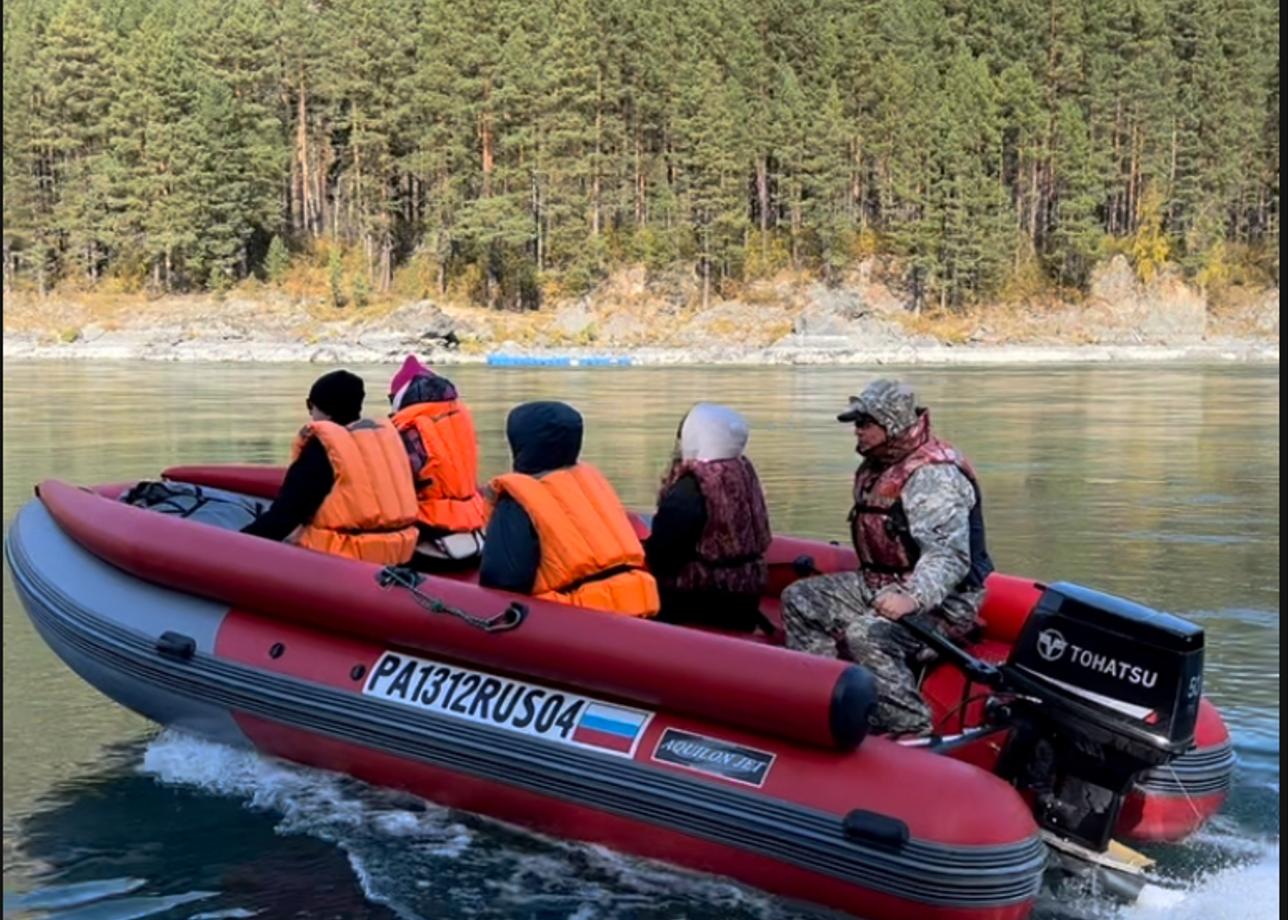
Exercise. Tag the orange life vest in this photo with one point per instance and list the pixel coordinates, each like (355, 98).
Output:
(370, 512)
(447, 483)
(590, 556)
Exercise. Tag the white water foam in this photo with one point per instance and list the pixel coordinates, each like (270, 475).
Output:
(132, 908)
(1243, 892)
(54, 897)
(325, 805)
(397, 845)
(1246, 888)
(1223, 836)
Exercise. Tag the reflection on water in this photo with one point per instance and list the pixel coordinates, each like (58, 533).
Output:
(1159, 483)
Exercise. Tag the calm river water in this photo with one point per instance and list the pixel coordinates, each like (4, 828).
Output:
(1158, 483)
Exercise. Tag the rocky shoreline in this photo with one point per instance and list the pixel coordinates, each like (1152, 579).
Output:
(635, 320)
(129, 348)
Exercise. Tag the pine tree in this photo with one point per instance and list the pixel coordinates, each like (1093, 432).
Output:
(454, 107)
(966, 195)
(792, 149)
(1207, 143)
(1024, 132)
(572, 212)
(522, 145)
(73, 94)
(361, 290)
(827, 184)
(373, 96)
(335, 275)
(1148, 102)
(277, 262)
(227, 201)
(299, 60)
(159, 150)
(246, 159)
(23, 221)
(711, 184)
(1076, 231)
(905, 122)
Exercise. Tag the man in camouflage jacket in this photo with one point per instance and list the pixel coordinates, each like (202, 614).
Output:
(918, 528)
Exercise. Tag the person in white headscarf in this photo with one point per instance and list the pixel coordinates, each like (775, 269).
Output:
(711, 530)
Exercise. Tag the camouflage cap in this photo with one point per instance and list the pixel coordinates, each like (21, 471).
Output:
(893, 405)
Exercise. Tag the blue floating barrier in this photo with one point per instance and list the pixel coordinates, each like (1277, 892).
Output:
(498, 359)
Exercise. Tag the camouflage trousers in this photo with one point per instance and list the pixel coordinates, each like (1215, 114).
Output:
(832, 615)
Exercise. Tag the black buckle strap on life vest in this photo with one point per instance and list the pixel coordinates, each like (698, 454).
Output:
(733, 562)
(364, 531)
(597, 576)
(896, 528)
(405, 577)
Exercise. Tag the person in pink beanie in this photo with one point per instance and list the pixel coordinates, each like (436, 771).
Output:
(438, 433)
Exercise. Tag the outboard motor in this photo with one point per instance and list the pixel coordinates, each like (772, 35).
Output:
(1105, 688)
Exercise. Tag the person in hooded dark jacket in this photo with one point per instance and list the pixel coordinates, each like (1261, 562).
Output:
(558, 530)
(711, 530)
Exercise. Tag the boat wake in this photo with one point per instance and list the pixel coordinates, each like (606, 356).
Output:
(421, 860)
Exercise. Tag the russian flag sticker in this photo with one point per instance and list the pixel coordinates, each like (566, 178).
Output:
(610, 728)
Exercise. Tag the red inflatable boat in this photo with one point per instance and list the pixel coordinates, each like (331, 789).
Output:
(715, 752)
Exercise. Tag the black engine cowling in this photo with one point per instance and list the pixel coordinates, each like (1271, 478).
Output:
(1105, 688)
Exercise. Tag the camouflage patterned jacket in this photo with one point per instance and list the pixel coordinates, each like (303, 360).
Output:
(918, 522)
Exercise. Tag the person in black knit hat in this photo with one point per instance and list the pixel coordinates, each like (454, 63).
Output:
(313, 512)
